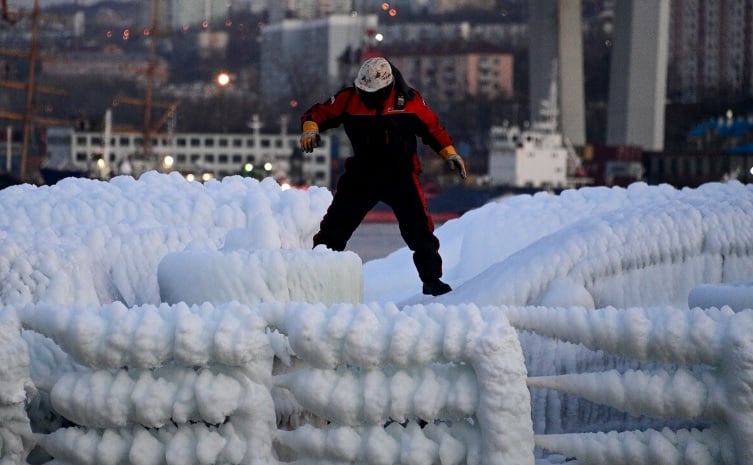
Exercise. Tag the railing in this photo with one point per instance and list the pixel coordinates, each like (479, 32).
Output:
(180, 384)
(348, 383)
(711, 352)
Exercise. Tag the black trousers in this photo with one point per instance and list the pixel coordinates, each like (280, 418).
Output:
(358, 192)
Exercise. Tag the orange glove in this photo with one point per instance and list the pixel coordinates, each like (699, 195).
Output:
(454, 160)
(310, 138)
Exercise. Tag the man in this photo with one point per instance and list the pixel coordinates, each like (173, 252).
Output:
(382, 117)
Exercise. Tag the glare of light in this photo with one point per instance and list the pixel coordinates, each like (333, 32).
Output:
(109, 34)
(248, 167)
(190, 177)
(729, 114)
(147, 32)
(379, 37)
(223, 79)
(284, 186)
(751, 170)
(267, 166)
(206, 176)
(100, 163)
(385, 6)
(293, 103)
(204, 24)
(393, 12)
(228, 23)
(126, 34)
(168, 161)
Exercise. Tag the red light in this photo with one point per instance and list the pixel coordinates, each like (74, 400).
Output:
(393, 12)
(385, 6)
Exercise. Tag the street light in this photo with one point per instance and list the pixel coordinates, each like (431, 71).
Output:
(168, 162)
(223, 82)
(223, 79)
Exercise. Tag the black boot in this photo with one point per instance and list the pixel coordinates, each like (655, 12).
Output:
(436, 287)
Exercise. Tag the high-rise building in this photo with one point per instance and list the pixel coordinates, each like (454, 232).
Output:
(711, 49)
(175, 14)
(451, 75)
(446, 6)
(306, 9)
(303, 61)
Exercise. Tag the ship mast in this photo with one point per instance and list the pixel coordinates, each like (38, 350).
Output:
(29, 90)
(147, 144)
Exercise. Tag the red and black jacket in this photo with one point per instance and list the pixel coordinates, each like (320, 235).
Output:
(383, 138)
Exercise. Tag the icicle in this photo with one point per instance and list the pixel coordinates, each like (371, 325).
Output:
(737, 372)
(657, 334)
(105, 399)
(193, 444)
(113, 336)
(354, 397)
(666, 447)
(662, 394)
(377, 445)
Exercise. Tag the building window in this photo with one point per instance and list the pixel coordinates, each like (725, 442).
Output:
(222, 158)
(209, 142)
(223, 142)
(80, 156)
(195, 142)
(237, 143)
(180, 142)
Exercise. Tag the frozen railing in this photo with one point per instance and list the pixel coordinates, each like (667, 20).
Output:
(640, 256)
(196, 384)
(711, 351)
(307, 383)
(15, 386)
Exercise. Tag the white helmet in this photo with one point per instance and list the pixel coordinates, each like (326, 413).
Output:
(375, 74)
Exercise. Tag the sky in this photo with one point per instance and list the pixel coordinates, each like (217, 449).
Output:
(240, 338)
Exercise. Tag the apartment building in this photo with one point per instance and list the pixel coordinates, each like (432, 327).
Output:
(452, 75)
(711, 49)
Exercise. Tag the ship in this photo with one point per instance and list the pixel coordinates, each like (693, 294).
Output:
(538, 155)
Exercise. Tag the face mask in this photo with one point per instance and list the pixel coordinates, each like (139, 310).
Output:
(374, 99)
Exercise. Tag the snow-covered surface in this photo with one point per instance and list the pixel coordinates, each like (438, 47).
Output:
(547, 288)
(253, 276)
